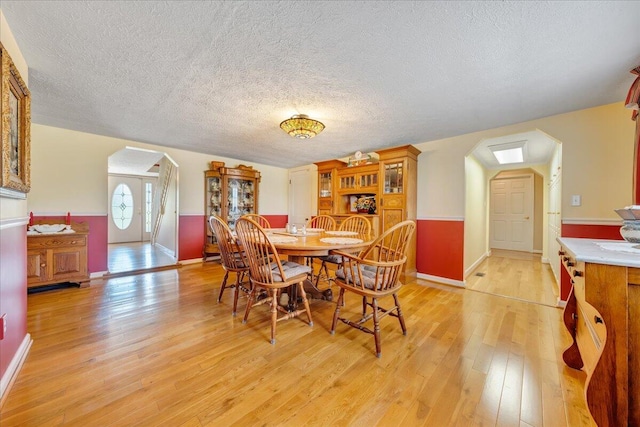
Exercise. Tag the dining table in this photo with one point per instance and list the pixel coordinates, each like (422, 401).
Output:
(313, 242)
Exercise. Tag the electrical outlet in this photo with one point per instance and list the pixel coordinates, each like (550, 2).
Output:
(3, 326)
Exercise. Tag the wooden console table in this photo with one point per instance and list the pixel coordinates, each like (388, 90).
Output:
(58, 257)
(603, 317)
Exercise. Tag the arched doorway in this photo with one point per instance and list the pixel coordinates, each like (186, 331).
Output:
(143, 211)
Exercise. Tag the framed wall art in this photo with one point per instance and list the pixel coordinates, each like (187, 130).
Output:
(15, 130)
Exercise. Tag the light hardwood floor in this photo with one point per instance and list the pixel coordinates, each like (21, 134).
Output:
(518, 275)
(157, 350)
(135, 256)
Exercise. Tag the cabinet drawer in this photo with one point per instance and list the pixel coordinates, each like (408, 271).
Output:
(56, 241)
(324, 203)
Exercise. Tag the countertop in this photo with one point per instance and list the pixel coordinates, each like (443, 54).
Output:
(600, 251)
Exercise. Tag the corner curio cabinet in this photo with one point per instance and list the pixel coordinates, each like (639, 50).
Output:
(228, 193)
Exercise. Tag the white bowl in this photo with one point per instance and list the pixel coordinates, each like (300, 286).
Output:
(48, 228)
(630, 231)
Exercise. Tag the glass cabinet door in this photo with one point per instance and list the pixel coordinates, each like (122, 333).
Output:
(240, 199)
(215, 196)
(324, 184)
(393, 177)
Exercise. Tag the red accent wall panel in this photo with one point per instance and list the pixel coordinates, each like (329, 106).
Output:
(13, 291)
(590, 231)
(191, 236)
(440, 248)
(277, 221)
(98, 238)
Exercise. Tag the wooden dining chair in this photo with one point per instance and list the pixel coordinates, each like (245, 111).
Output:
(232, 259)
(262, 221)
(355, 223)
(374, 274)
(268, 272)
(324, 222)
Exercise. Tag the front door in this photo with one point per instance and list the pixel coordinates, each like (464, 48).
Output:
(125, 209)
(511, 214)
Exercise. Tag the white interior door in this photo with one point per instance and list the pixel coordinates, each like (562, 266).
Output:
(511, 214)
(300, 196)
(125, 209)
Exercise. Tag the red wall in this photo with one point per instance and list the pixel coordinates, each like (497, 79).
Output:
(440, 248)
(13, 290)
(590, 231)
(191, 236)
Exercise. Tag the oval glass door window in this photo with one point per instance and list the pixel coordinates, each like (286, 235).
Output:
(122, 206)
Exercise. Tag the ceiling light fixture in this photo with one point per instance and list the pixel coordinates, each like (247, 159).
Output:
(512, 152)
(301, 126)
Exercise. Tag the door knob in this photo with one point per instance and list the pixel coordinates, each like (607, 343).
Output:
(526, 217)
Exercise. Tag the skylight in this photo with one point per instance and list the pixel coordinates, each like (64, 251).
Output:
(509, 153)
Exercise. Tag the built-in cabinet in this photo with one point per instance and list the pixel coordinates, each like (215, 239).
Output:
(390, 184)
(601, 316)
(58, 257)
(228, 193)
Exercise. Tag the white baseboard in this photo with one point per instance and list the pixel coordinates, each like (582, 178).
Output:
(561, 303)
(191, 261)
(537, 251)
(97, 274)
(444, 280)
(475, 265)
(545, 260)
(15, 365)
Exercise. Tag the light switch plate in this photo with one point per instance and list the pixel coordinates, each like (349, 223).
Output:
(576, 200)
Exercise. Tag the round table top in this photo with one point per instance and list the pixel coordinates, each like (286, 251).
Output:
(310, 244)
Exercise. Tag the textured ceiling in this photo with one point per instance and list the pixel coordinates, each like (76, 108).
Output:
(219, 77)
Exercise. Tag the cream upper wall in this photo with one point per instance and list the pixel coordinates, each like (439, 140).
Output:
(69, 173)
(597, 163)
(13, 208)
(475, 225)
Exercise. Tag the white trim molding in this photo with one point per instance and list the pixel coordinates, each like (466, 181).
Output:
(444, 280)
(441, 218)
(14, 222)
(12, 194)
(591, 221)
(14, 366)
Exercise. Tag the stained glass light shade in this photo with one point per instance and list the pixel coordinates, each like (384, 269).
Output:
(301, 126)
(122, 206)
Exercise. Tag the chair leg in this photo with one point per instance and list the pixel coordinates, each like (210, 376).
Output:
(336, 313)
(274, 314)
(235, 294)
(250, 300)
(376, 325)
(400, 315)
(224, 284)
(364, 307)
(323, 266)
(305, 301)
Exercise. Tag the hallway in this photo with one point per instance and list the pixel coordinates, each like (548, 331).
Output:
(517, 275)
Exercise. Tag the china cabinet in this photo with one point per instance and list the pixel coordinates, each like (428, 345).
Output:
(229, 193)
(390, 183)
(327, 182)
(58, 257)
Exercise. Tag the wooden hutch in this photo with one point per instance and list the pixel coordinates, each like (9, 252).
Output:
(228, 193)
(391, 183)
(58, 257)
